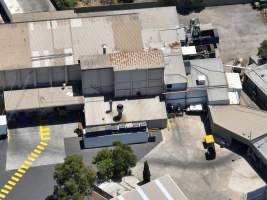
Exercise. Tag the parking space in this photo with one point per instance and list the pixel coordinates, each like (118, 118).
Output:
(23, 141)
(241, 29)
(182, 155)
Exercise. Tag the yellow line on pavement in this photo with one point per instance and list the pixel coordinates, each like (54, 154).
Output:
(34, 155)
(37, 151)
(4, 191)
(2, 196)
(40, 147)
(24, 167)
(18, 174)
(31, 158)
(44, 135)
(44, 143)
(8, 187)
(15, 178)
(45, 138)
(21, 171)
(27, 162)
(11, 183)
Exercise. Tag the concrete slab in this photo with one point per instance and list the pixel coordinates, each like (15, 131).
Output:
(182, 155)
(24, 140)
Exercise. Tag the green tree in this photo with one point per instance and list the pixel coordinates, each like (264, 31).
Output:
(146, 173)
(73, 179)
(114, 163)
(66, 3)
(262, 51)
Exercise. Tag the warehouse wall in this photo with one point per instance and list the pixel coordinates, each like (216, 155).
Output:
(255, 93)
(138, 82)
(98, 81)
(39, 77)
(186, 98)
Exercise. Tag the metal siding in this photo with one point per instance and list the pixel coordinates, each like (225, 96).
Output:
(42, 76)
(142, 91)
(140, 84)
(13, 79)
(139, 75)
(121, 93)
(58, 74)
(155, 73)
(27, 77)
(2, 80)
(155, 83)
(154, 90)
(125, 138)
(122, 76)
(74, 73)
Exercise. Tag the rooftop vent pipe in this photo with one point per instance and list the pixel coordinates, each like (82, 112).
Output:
(119, 110)
(104, 49)
(110, 107)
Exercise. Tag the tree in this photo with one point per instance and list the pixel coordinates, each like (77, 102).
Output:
(262, 51)
(146, 173)
(66, 3)
(114, 163)
(74, 180)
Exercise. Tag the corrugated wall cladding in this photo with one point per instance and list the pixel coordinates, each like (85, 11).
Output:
(39, 77)
(139, 82)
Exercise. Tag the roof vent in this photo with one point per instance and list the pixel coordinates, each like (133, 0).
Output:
(104, 49)
(201, 80)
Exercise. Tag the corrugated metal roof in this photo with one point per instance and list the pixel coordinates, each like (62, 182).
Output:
(163, 188)
(30, 99)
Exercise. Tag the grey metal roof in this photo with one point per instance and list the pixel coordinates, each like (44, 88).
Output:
(258, 75)
(246, 123)
(211, 68)
(29, 99)
(163, 188)
(63, 41)
(218, 95)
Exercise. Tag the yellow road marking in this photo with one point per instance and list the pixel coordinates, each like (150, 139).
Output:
(11, 183)
(4, 191)
(21, 171)
(18, 174)
(45, 132)
(8, 187)
(31, 158)
(45, 138)
(27, 162)
(37, 151)
(15, 179)
(2, 196)
(42, 128)
(24, 167)
(40, 147)
(44, 143)
(34, 155)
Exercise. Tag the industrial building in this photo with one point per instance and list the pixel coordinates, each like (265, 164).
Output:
(241, 127)
(163, 188)
(255, 85)
(82, 62)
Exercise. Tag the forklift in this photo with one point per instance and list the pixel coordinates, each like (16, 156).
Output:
(209, 144)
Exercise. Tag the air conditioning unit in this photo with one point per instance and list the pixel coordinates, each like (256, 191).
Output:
(201, 80)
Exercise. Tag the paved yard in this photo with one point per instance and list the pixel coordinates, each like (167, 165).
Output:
(241, 29)
(181, 154)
